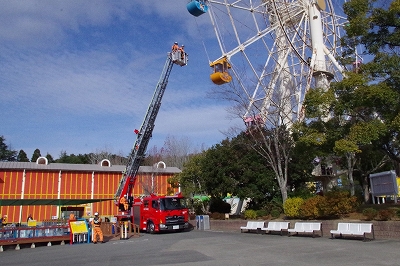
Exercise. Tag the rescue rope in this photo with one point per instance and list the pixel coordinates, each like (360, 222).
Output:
(202, 41)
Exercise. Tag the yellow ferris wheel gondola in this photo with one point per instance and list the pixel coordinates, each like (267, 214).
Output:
(220, 73)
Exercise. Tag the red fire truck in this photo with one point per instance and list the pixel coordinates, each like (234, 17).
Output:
(161, 213)
(152, 213)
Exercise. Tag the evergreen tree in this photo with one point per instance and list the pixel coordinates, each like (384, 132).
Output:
(50, 158)
(73, 159)
(229, 167)
(22, 156)
(6, 153)
(36, 154)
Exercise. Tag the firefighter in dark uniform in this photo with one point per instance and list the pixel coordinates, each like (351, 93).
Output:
(96, 229)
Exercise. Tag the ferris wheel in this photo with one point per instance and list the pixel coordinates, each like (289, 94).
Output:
(275, 51)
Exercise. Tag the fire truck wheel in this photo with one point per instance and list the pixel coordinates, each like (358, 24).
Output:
(151, 228)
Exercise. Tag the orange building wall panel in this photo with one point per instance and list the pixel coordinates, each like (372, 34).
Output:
(75, 185)
(11, 184)
(42, 185)
(10, 188)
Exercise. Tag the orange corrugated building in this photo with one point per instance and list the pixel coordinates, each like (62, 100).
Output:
(53, 190)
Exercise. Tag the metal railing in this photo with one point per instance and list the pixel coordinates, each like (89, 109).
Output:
(11, 233)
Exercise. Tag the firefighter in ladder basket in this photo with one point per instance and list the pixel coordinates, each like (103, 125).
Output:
(124, 203)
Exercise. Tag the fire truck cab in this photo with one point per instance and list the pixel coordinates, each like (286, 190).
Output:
(161, 213)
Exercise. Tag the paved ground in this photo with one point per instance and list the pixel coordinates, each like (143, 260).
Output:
(212, 248)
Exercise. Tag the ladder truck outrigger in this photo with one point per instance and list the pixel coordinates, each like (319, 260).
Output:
(151, 213)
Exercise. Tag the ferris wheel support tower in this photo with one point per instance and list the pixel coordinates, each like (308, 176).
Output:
(321, 75)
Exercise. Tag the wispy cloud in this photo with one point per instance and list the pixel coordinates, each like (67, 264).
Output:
(79, 75)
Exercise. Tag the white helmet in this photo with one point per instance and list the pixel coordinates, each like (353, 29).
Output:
(96, 214)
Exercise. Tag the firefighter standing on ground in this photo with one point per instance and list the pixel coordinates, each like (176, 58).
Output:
(30, 218)
(96, 228)
(72, 217)
(4, 220)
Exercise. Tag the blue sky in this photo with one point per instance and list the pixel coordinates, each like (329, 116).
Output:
(77, 75)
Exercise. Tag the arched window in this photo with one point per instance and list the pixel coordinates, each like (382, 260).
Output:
(105, 163)
(42, 160)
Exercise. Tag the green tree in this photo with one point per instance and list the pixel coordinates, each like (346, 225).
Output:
(50, 158)
(373, 92)
(6, 153)
(219, 170)
(74, 159)
(22, 156)
(364, 108)
(190, 178)
(255, 179)
(300, 167)
(36, 154)
(229, 167)
(192, 183)
(370, 160)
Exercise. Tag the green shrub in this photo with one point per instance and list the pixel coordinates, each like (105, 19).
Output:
(275, 213)
(370, 213)
(310, 207)
(398, 212)
(250, 214)
(291, 207)
(385, 215)
(261, 213)
(273, 204)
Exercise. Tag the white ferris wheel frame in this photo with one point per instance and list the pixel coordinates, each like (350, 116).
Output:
(312, 18)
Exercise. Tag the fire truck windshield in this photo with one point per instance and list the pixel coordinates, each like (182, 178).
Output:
(172, 204)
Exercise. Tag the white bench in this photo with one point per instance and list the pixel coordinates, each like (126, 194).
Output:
(253, 226)
(276, 226)
(354, 229)
(304, 227)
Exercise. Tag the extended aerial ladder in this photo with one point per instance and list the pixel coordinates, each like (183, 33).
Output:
(137, 155)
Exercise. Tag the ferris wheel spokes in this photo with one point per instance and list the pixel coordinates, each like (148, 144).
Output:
(241, 46)
(287, 47)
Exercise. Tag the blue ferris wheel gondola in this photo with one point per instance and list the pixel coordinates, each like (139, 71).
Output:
(197, 7)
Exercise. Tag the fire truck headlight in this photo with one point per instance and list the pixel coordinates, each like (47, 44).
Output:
(163, 226)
